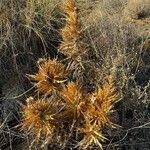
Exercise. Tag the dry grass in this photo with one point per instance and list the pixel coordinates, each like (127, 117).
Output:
(138, 9)
(25, 27)
(95, 75)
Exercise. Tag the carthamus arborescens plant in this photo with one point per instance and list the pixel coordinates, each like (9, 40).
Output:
(72, 109)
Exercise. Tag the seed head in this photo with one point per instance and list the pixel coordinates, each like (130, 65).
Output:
(39, 117)
(73, 98)
(102, 101)
(70, 33)
(50, 77)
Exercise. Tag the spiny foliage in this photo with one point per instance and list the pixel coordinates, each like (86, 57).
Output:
(50, 77)
(73, 98)
(92, 134)
(39, 117)
(70, 33)
(102, 101)
(89, 111)
(97, 114)
(71, 30)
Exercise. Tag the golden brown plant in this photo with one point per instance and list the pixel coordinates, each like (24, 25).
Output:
(71, 30)
(39, 117)
(92, 135)
(73, 99)
(50, 77)
(70, 33)
(102, 102)
(91, 112)
(97, 114)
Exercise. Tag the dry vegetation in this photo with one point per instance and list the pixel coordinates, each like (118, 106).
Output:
(75, 74)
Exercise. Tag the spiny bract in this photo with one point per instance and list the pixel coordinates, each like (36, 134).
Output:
(70, 33)
(92, 135)
(50, 77)
(73, 98)
(39, 117)
(102, 102)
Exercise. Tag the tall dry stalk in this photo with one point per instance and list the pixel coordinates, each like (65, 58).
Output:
(71, 31)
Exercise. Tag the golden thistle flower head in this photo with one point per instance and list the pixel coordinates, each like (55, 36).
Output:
(73, 98)
(102, 102)
(39, 117)
(50, 77)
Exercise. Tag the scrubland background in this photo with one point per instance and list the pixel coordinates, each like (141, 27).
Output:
(117, 32)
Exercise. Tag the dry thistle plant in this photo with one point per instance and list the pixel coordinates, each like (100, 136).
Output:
(39, 117)
(50, 77)
(71, 32)
(82, 111)
(97, 114)
(91, 113)
(102, 102)
(74, 101)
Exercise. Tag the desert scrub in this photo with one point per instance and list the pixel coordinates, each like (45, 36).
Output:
(138, 9)
(82, 112)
